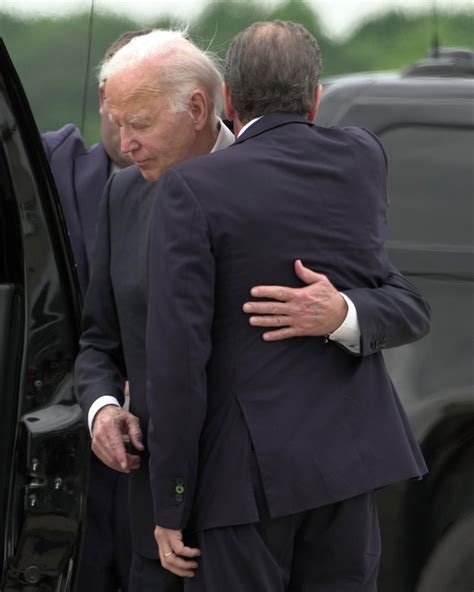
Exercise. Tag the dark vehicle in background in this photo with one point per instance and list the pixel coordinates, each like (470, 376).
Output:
(43, 443)
(424, 116)
(425, 120)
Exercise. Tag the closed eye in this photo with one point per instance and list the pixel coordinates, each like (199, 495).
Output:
(139, 125)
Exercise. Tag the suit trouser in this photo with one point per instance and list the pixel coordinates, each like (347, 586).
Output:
(106, 549)
(147, 575)
(331, 549)
(335, 548)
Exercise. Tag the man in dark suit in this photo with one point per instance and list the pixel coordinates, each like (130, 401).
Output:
(269, 452)
(114, 316)
(163, 119)
(80, 174)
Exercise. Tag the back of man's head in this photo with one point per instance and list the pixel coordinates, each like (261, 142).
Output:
(272, 66)
(180, 67)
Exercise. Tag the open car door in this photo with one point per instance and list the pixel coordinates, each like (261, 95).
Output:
(43, 443)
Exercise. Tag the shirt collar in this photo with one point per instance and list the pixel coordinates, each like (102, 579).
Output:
(224, 138)
(247, 125)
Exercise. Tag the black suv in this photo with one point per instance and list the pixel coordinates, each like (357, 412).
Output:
(43, 443)
(425, 119)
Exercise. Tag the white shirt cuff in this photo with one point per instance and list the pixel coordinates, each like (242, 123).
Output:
(348, 334)
(97, 406)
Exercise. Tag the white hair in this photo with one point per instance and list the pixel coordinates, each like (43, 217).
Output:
(185, 69)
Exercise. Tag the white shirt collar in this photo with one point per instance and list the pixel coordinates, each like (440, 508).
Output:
(224, 138)
(248, 124)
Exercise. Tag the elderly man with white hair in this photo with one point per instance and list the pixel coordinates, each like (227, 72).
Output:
(164, 95)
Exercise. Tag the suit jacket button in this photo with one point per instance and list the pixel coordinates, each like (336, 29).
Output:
(178, 497)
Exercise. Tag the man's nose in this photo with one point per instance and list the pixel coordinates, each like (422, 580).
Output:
(127, 142)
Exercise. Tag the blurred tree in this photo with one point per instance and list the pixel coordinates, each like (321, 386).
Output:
(396, 39)
(50, 54)
(299, 12)
(220, 21)
(50, 57)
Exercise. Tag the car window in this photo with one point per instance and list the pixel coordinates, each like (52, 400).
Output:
(431, 183)
(11, 268)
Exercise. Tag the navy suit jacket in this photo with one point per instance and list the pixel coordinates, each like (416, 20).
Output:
(114, 322)
(80, 174)
(112, 345)
(324, 425)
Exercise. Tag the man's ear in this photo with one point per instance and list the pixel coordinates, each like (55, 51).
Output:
(228, 107)
(101, 97)
(315, 104)
(199, 109)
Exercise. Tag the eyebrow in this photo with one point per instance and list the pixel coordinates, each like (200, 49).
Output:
(133, 119)
(138, 119)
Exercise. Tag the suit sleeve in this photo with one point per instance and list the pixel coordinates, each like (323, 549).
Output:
(99, 368)
(392, 315)
(181, 273)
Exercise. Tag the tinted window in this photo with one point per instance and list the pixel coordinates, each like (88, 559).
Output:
(431, 184)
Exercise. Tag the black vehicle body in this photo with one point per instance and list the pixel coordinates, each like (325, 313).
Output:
(425, 119)
(43, 443)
